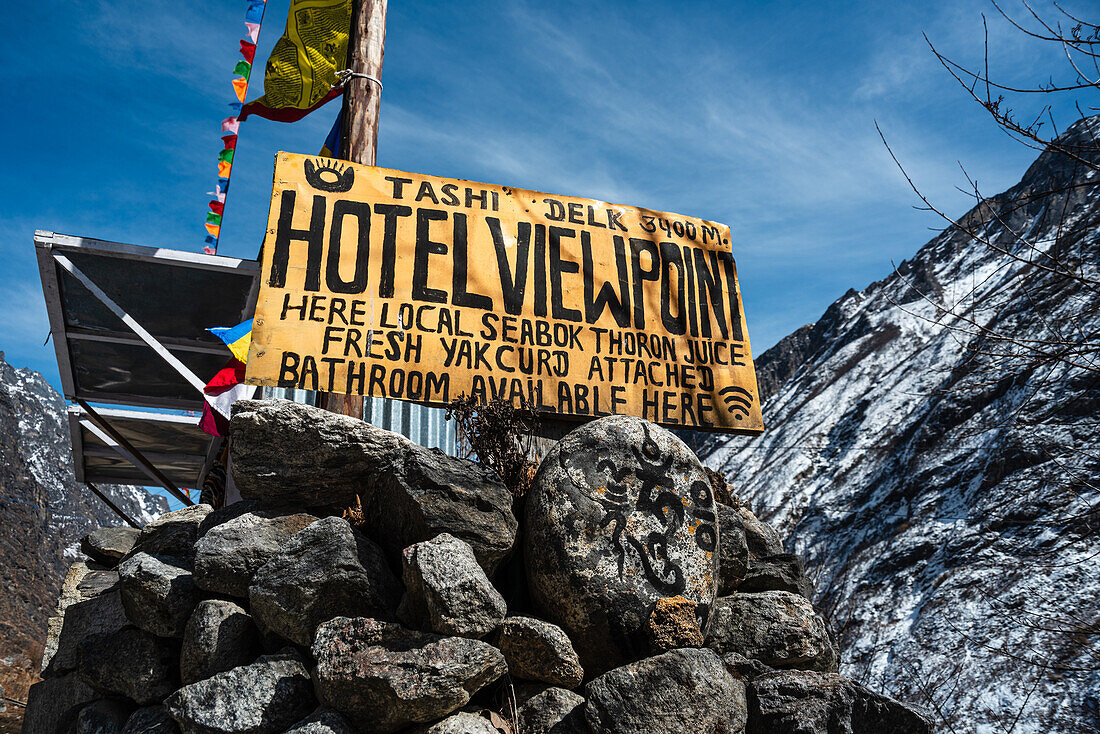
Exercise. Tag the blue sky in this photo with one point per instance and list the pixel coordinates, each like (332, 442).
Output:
(757, 114)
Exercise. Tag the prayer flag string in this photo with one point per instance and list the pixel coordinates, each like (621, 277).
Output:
(253, 18)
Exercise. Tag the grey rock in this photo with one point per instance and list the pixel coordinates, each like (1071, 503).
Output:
(461, 723)
(131, 663)
(105, 716)
(426, 492)
(3, 701)
(109, 545)
(744, 668)
(325, 571)
(778, 628)
(382, 676)
(83, 582)
(100, 614)
(733, 562)
(235, 541)
(760, 537)
(553, 711)
(322, 721)
(680, 691)
(158, 593)
(286, 453)
(620, 514)
(173, 533)
(802, 702)
(520, 692)
(539, 651)
(54, 703)
(447, 589)
(266, 697)
(779, 572)
(151, 720)
(752, 557)
(220, 636)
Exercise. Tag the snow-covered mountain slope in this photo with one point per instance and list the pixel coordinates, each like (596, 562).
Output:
(43, 514)
(942, 482)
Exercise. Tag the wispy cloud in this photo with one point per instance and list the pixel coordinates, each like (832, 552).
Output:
(760, 115)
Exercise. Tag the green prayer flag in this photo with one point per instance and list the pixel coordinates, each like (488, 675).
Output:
(243, 68)
(226, 156)
(212, 218)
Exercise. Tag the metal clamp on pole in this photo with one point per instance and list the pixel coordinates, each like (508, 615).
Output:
(346, 75)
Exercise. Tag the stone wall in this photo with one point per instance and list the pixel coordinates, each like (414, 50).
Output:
(619, 595)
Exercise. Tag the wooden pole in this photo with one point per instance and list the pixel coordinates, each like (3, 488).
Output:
(359, 141)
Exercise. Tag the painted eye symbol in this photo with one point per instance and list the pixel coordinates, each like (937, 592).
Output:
(329, 175)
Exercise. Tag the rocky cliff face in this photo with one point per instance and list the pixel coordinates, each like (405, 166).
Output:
(43, 513)
(942, 483)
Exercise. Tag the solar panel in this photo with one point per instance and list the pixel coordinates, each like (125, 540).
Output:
(173, 295)
(129, 328)
(173, 443)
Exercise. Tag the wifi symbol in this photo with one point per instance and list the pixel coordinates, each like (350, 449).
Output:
(738, 400)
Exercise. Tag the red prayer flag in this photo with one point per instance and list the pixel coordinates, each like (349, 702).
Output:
(218, 207)
(285, 114)
(226, 387)
(228, 376)
(229, 142)
(248, 51)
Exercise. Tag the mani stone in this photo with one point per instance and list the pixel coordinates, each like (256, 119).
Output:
(620, 514)
(109, 545)
(286, 453)
(327, 570)
(680, 691)
(447, 591)
(383, 677)
(235, 541)
(539, 651)
(802, 702)
(265, 697)
(778, 628)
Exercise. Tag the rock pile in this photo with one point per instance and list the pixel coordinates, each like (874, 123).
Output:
(617, 596)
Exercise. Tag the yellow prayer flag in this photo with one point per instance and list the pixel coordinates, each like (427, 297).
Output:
(303, 64)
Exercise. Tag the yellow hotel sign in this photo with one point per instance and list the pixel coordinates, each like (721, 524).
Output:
(391, 284)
